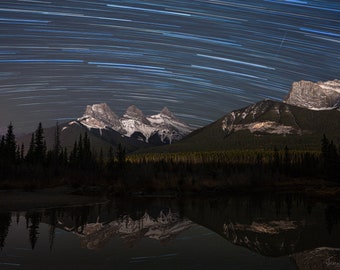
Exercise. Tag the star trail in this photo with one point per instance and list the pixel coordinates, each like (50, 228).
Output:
(199, 58)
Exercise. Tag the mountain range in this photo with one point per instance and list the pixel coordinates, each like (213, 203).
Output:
(155, 129)
(298, 121)
(133, 130)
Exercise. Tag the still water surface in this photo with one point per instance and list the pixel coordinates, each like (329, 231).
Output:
(240, 232)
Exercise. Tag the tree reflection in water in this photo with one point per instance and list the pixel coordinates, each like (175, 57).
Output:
(5, 222)
(272, 226)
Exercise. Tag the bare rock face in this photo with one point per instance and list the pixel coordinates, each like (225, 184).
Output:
(315, 96)
(99, 116)
(271, 117)
(264, 117)
(133, 112)
(101, 111)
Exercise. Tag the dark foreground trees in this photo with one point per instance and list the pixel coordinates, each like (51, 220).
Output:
(82, 165)
(39, 166)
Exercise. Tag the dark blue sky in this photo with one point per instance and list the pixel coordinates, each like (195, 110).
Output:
(200, 58)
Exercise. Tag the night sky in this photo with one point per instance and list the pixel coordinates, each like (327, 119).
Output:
(200, 58)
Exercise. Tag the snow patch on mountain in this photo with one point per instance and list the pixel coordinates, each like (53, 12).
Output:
(269, 127)
(70, 124)
(262, 117)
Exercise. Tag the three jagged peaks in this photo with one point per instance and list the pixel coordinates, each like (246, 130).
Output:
(135, 124)
(102, 110)
(265, 117)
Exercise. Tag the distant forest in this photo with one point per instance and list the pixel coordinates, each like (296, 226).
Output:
(38, 167)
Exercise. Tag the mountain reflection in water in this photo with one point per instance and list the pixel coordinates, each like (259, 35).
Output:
(278, 232)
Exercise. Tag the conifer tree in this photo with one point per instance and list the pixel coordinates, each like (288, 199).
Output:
(2, 145)
(329, 157)
(73, 160)
(22, 152)
(101, 160)
(8, 159)
(87, 155)
(110, 161)
(65, 156)
(32, 223)
(5, 222)
(57, 146)
(53, 156)
(110, 155)
(10, 146)
(121, 156)
(287, 159)
(39, 145)
(324, 147)
(2, 155)
(276, 159)
(31, 150)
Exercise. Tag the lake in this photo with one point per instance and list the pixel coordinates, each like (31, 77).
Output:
(225, 232)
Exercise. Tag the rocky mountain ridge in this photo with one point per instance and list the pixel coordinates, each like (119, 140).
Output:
(271, 117)
(268, 124)
(315, 96)
(298, 121)
(134, 123)
(263, 117)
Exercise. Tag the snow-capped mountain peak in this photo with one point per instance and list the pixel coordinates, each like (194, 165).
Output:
(99, 116)
(101, 111)
(133, 112)
(135, 124)
(166, 112)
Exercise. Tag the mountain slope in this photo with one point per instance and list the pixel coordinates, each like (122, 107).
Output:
(263, 125)
(70, 132)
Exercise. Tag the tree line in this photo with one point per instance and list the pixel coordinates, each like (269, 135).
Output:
(42, 167)
(83, 165)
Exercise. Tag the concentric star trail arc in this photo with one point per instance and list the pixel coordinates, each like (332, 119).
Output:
(200, 58)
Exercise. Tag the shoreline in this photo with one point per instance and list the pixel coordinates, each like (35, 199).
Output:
(65, 196)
